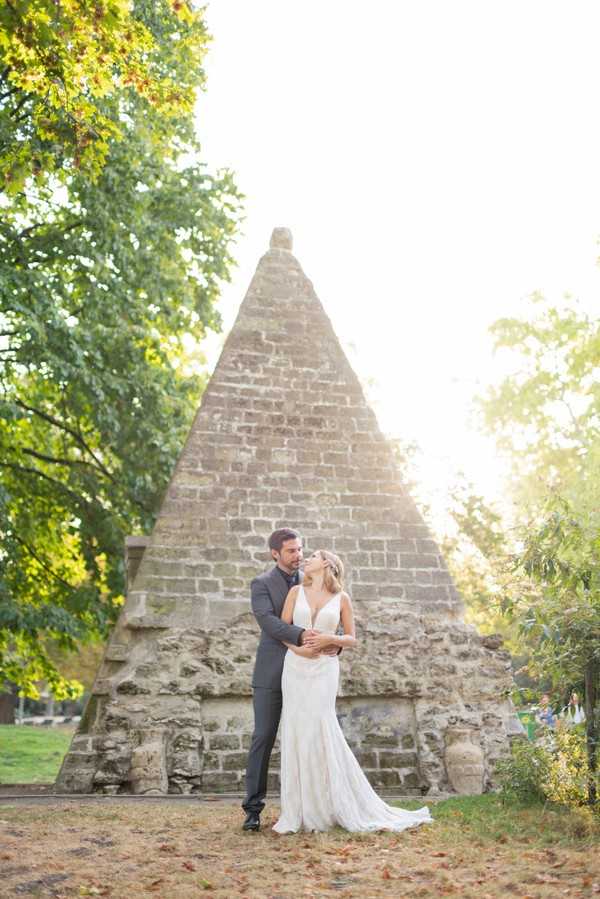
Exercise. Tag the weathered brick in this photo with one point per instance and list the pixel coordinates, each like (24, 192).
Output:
(211, 761)
(224, 741)
(376, 740)
(397, 759)
(367, 759)
(234, 761)
(417, 560)
(284, 437)
(220, 781)
(386, 778)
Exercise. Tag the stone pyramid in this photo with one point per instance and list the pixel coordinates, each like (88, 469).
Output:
(284, 437)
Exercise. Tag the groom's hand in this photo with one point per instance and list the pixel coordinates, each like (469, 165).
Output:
(306, 635)
(330, 650)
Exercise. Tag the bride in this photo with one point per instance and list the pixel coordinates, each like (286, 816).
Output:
(322, 784)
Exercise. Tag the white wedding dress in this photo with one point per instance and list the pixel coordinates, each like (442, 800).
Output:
(322, 784)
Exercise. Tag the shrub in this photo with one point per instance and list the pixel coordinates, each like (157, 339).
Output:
(554, 768)
(522, 775)
(567, 778)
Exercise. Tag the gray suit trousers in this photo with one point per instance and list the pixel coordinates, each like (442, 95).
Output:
(268, 593)
(267, 712)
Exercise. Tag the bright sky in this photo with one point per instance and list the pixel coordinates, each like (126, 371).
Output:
(437, 162)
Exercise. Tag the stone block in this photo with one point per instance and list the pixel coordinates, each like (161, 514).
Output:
(224, 741)
(113, 768)
(147, 622)
(222, 611)
(211, 724)
(418, 560)
(410, 781)
(77, 772)
(132, 687)
(148, 772)
(117, 652)
(395, 759)
(367, 759)
(162, 605)
(220, 782)
(206, 585)
(404, 545)
(386, 778)
(234, 761)
(215, 553)
(240, 525)
(211, 761)
(225, 569)
(380, 741)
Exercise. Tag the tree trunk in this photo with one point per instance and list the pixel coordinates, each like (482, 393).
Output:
(592, 713)
(7, 708)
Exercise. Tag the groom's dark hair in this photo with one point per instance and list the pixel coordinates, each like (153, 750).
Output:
(278, 538)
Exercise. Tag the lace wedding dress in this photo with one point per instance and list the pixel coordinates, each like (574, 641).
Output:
(322, 784)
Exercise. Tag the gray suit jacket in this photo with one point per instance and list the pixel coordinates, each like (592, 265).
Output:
(268, 593)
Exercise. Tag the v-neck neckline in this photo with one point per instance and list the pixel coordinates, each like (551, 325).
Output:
(313, 620)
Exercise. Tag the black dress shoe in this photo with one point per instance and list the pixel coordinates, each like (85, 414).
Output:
(252, 821)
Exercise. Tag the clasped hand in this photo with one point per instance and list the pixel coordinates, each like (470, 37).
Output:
(319, 643)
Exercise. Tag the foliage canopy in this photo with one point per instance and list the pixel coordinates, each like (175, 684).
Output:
(109, 272)
(70, 70)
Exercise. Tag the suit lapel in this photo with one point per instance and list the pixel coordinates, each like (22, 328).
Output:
(278, 589)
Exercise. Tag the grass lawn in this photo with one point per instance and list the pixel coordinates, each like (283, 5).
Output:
(476, 849)
(32, 754)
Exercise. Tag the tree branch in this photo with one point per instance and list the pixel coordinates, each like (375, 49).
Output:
(63, 427)
(19, 106)
(40, 474)
(42, 563)
(83, 462)
(65, 230)
(8, 93)
(59, 461)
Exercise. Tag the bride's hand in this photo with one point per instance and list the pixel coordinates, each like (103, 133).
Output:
(318, 641)
(306, 635)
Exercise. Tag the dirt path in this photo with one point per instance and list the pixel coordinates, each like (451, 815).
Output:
(176, 850)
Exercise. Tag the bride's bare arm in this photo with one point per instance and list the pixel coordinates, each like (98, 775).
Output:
(287, 614)
(348, 640)
(308, 652)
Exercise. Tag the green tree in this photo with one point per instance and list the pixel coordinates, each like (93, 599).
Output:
(107, 277)
(478, 554)
(545, 414)
(561, 614)
(545, 417)
(67, 69)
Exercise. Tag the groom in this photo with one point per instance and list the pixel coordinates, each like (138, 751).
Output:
(268, 593)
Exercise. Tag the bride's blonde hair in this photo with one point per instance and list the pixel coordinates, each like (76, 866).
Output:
(333, 574)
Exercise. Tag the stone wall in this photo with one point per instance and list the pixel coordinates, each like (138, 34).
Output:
(184, 725)
(284, 437)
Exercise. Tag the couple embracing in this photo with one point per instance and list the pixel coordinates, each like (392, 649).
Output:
(295, 680)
